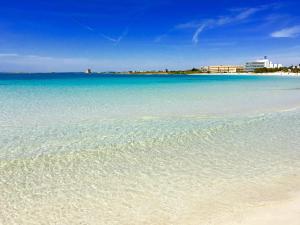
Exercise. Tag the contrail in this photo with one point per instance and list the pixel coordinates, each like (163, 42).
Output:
(115, 40)
(108, 38)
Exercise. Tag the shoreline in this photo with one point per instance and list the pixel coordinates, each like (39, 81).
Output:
(283, 74)
(281, 212)
(86, 158)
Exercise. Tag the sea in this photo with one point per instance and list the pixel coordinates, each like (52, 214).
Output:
(141, 150)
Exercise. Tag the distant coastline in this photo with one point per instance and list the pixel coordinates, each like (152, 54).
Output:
(156, 73)
(252, 74)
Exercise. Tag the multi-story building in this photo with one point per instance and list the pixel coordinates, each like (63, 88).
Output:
(262, 63)
(225, 69)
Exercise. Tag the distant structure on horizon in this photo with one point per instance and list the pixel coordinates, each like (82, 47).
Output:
(261, 63)
(88, 71)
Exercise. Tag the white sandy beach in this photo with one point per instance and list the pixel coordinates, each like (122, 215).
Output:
(284, 74)
(285, 212)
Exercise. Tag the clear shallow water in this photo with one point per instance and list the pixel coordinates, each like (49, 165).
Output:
(145, 150)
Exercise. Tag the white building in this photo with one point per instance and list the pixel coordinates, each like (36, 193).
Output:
(262, 63)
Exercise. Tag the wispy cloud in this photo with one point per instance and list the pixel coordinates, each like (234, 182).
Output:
(288, 32)
(239, 16)
(12, 57)
(16, 62)
(160, 37)
(116, 40)
(222, 21)
(8, 55)
(197, 33)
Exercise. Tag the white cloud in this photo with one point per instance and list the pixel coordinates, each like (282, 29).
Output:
(34, 63)
(118, 39)
(11, 62)
(196, 34)
(223, 21)
(8, 55)
(239, 16)
(288, 32)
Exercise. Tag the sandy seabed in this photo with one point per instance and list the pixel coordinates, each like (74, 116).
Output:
(282, 213)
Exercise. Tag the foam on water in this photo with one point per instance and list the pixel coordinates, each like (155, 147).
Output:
(153, 150)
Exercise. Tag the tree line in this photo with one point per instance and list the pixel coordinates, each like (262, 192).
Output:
(290, 69)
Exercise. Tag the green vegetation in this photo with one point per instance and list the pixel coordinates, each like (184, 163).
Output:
(171, 72)
(192, 71)
(290, 69)
(267, 70)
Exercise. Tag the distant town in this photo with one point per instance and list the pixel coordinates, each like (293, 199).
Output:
(257, 66)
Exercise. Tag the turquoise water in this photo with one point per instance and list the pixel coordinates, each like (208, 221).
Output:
(77, 149)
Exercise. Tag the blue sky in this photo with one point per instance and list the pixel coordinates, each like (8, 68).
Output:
(69, 35)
